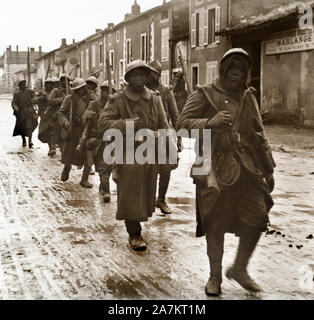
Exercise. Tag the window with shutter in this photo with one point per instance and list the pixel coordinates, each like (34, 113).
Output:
(211, 25)
(164, 44)
(111, 59)
(93, 56)
(128, 51)
(211, 71)
(87, 60)
(143, 47)
(205, 27)
(193, 31)
(197, 29)
(217, 23)
(201, 27)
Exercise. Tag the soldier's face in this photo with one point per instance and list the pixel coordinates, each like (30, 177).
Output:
(56, 84)
(63, 82)
(48, 86)
(91, 86)
(236, 73)
(22, 86)
(137, 78)
(81, 91)
(104, 93)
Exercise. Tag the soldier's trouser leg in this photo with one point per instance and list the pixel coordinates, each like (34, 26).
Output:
(30, 143)
(248, 240)
(84, 181)
(66, 172)
(24, 140)
(164, 179)
(133, 227)
(215, 250)
(104, 174)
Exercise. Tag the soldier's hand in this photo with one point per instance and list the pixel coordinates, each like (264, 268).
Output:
(89, 114)
(67, 125)
(221, 119)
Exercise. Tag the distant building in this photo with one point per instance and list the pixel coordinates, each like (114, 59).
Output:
(14, 61)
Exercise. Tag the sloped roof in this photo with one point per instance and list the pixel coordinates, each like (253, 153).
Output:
(266, 18)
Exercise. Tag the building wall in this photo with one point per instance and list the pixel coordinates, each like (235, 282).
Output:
(202, 55)
(242, 9)
(287, 86)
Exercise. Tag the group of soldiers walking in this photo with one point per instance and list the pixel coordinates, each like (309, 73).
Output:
(242, 166)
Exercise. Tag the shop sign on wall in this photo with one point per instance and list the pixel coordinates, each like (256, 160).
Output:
(290, 41)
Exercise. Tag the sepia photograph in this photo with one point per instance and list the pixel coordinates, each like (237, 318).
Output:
(157, 150)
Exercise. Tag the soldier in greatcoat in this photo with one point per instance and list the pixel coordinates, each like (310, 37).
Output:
(95, 140)
(23, 110)
(235, 196)
(44, 130)
(72, 121)
(136, 183)
(55, 101)
(171, 110)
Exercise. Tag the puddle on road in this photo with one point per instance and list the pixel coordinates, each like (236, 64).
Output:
(72, 229)
(77, 202)
(175, 200)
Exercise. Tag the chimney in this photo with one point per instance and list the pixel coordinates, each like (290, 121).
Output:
(39, 49)
(136, 9)
(73, 41)
(98, 30)
(110, 25)
(32, 49)
(63, 42)
(17, 48)
(127, 16)
(9, 48)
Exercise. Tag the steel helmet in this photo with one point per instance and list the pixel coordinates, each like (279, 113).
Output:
(21, 81)
(92, 79)
(49, 80)
(237, 51)
(78, 83)
(55, 79)
(156, 66)
(63, 75)
(136, 64)
(106, 84)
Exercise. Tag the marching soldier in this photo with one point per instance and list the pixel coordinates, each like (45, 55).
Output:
(93, 113)
(44, 130)
(72, 121)
(136, 183)
(92, 85)
(235, 196)
(55, 100)
(172, 114)
(26, 116)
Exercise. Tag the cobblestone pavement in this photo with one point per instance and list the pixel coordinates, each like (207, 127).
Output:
(60, 241)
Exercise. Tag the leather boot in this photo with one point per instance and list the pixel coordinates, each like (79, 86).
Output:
(248, 241)
(104, 187)
(84, 181)
(65, 172)
(162, 205)
(215, 249)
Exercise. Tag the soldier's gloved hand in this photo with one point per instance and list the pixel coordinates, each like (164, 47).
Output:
(221, 119)
(271, 183)
(67, 125)
(89, 114)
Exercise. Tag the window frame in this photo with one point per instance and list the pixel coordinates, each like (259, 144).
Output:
(164, 44)
(143, 50)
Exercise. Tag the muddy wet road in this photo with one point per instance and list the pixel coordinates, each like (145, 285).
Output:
(60, 241)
